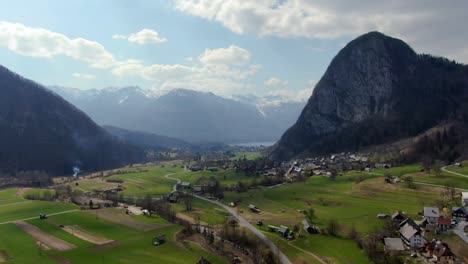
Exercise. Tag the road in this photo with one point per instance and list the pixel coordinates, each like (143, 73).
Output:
(460, 231)
(242, 222)
(426, 183)
(454, 173)
(37, 217)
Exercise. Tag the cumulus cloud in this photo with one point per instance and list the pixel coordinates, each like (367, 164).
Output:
(224, 70)
(430, 26)
(275, 82)
(145, 36)
(83, 76)
(42, 43)
(232, 55)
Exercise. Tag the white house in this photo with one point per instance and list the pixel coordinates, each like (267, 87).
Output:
(464, 198)
(431, 214)
(412, 236)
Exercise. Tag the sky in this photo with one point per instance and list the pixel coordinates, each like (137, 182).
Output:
(228, 47)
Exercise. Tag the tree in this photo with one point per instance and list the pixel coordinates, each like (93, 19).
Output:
(91, 204)
(333, 228)
(410, 182)
(437, 168)
(310, 214)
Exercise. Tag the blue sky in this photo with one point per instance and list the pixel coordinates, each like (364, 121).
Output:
(226, 47)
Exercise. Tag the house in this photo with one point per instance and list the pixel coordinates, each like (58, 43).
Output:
(272, 228)
(443, 223)
(309, 228)
(412, 236)
(393, 244)
(198, 188)
(431, 214)
(440, 252)
(184, 186)
(399, 217)
(464, 198)
(285, 232)
(460, 213)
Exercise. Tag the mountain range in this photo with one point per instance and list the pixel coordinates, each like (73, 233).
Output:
(378, 90)
(40, 131)
(187, 114)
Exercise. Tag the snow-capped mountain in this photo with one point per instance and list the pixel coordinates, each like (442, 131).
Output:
(190, 115)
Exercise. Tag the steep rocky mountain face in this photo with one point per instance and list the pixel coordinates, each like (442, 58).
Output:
(41, 131)
(376, 90)
(189, 115)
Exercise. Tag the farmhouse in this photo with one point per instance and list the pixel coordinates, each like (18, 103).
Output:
(399, 217)
(431, 214)
(184, 186)
(443, 223)
(412, 236)
(440, 252)
(285, 232)
(460, 213)
(309, 228)
(393, 244)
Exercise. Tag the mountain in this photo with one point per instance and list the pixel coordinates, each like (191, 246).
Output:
(377, 90)
(147, 140)
(41, 131)
(186, 114)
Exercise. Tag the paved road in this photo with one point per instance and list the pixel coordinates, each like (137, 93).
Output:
(454, 173)
(36, 217)
(460, 231)
(426, 183)
(242, 222)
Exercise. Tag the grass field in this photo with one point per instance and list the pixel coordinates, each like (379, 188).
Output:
(151, 182)
(204, 211)
(344, 200)
(225, 177)
(399, 171)
(462, 170)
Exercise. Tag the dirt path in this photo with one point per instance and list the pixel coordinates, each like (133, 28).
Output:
(43, 237)
(319, 259)
(85, 235)
(454, 173)
(4, 205)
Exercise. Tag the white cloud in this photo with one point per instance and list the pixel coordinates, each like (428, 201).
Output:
(275, 82)
(222, 70)
(232, 55)
(145, 36)
(83, 76)
(430, 26)
(42, 43)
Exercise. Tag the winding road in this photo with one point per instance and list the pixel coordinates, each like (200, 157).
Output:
(454, 173)
(242, 221)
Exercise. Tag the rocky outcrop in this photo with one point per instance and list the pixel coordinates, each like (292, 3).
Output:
(376, 89)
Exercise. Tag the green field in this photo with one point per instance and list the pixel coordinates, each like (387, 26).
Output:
(348, 202)
(399, 171)
(151, 182)
(225, 177)
(461, 170)
(204, 211)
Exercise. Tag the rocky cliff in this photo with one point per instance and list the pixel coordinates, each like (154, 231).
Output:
(376, 89)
